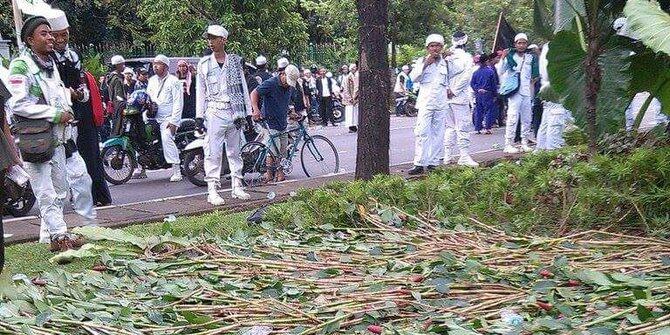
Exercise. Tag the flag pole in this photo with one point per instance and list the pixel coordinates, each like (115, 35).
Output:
(495, 38)
(18, 24)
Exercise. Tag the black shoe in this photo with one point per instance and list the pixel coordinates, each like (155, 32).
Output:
(416, 170)
(431, 168)
(353, 129)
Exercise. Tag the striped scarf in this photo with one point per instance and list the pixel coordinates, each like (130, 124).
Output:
(235, 80)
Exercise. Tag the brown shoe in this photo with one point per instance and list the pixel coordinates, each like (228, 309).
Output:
(65, 242)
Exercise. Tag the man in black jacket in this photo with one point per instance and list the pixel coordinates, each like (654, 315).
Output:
(327, 90)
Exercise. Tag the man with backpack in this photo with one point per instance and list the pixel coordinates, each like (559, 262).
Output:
(73, 76)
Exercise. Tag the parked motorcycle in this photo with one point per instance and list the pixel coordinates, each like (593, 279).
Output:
(140, 143)
(406, 105)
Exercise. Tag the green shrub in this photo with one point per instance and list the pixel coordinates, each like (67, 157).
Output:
(548, 193)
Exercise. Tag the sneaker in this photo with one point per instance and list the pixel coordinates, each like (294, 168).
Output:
(510, 149)
(416, 170)
(431, 168)
(140, 175)
(526, 148)
(238, 193)
(215, 199)
(488, 132)
(466, 160)
(176, 177)
(448, 160)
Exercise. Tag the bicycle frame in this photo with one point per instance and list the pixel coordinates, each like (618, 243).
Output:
(303, 135)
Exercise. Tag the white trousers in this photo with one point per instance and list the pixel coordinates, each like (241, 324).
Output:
(520, 108)
(170, 151)
(351, 116)
(459, 125)
(79, 183)
(552, 126)
(220, 132)
(49, 183)
(429, 137)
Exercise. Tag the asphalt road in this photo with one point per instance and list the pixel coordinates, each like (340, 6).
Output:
(157, 185)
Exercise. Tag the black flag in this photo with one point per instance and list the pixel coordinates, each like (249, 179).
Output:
(505, 34)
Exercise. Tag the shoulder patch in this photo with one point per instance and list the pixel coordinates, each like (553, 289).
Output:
(18, 66)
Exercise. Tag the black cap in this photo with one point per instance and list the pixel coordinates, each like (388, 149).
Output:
(31, 24)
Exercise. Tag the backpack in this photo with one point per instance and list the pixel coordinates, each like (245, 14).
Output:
(97, 107)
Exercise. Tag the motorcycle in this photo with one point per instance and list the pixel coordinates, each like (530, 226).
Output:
(140, 143)
(406, 105)
(193, 162)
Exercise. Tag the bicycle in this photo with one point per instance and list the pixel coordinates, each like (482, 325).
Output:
(318, 155)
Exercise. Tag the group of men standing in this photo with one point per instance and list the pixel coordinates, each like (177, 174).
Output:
(445, 117)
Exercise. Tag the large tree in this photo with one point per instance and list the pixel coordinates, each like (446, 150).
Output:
(375, 86)
(266, 27)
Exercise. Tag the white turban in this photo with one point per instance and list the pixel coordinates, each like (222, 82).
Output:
(459, 41)
(434, 38)
(520, 36)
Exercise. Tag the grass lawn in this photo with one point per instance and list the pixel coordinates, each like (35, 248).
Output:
(33, 258)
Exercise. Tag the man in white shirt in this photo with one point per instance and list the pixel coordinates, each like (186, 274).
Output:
(520, 104)
(459, 114)
(166, 91)
(431, 73)
(327, 90)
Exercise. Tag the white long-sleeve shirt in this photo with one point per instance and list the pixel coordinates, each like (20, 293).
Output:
(524, 65)
(434, 84)
(170, 99)
(459, 73)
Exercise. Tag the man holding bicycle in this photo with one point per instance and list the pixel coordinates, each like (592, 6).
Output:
(276, 93)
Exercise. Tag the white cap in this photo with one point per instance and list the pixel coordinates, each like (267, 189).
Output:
(434, 38)
(405, 67)
(261, 60)
(216, 30)
(282, 63)
(128, 71)
(118, 59)
(162, 59)
(520, 36)
(306, 71)
(292, 74)
(329, 74)
(57, 20)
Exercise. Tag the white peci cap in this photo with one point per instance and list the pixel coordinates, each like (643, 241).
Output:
(128, 71)
(261, 60)
(282, 63)
(434, 38)
(118, 59)
(57, 20)
(520, 36)
(162, 59)
(216, 30)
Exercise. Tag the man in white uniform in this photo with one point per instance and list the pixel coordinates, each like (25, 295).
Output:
(520, 104)
(167, 92)
(459, 114)
(431, 73)
(222, 102)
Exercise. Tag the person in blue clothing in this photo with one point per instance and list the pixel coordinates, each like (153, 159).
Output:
(484, 83)
(276, 93)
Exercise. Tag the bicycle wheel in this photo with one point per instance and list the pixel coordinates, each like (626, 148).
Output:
(319, 157)
(254, 155)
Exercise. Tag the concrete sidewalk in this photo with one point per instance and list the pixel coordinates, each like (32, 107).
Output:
(27, 229)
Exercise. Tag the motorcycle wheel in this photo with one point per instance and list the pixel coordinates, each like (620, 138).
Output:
(194, 167)
(410, 110)
(21, 206)
(338, 115)
(118, 164)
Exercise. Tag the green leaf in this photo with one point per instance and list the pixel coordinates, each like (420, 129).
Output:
(195, 319)
(567, 73)
(594, 277)
(109, 234)
(651, 73)
(649, 23)
(643, 313)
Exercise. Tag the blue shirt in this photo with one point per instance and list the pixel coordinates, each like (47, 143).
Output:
(276, 100)
(484, 78)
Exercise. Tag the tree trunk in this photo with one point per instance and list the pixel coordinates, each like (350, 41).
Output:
(372, 155)
(593, 82)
